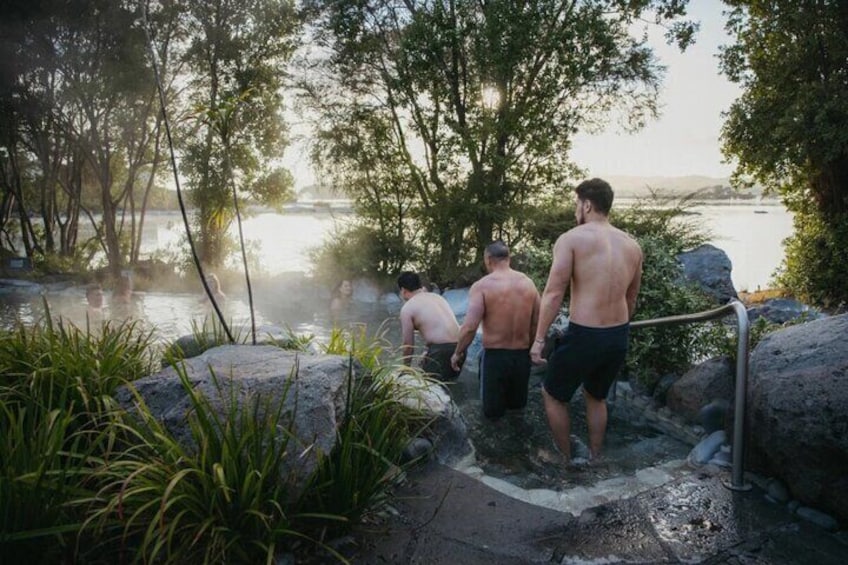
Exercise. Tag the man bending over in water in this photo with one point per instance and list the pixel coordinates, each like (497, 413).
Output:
(432, 316)
(603, 266)
(507, 303)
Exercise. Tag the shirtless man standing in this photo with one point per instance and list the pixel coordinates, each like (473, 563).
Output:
(432, 316)
(507, 303)
(603, 266)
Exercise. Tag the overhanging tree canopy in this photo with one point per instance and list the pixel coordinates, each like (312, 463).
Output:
(446, 119)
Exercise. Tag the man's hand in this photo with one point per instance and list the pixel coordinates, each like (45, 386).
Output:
(536, 353)
(457, 360)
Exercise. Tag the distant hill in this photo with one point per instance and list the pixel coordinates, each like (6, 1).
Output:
(320, 192)
(706, 187)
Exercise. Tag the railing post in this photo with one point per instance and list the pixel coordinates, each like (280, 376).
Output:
(738, 476)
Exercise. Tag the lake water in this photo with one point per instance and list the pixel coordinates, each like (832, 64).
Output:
(750, 235)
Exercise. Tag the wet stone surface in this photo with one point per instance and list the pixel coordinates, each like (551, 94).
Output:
(519, 447)
(697, 520)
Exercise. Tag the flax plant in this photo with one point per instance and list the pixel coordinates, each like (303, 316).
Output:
(56, 383)
(224, 499)
(357, 477)
(367, 349)
(62, 365)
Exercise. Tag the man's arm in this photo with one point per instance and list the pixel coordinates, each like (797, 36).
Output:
(407, 328)
(534, 318)
(633, 288)
(473, 317)
(558, 279)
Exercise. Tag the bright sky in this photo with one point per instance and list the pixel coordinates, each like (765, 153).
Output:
(683, 141)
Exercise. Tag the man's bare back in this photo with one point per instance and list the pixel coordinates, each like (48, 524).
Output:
(432, 316)
(605, 266)
(505, 302)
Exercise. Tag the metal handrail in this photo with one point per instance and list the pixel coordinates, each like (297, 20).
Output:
(738, 448)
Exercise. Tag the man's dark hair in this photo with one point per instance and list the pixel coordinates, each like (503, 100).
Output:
(598, 192)
(497, 250)
(409, 280)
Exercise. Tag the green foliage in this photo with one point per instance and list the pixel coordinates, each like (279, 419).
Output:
(815, 267)
(359, 249)
(56, 383)
(788, 128)
(68, 368)
(655, 352)
(355, 341)
(487, 110)
(358, 475)
(235, 82)
(44, 458)
(223, 502)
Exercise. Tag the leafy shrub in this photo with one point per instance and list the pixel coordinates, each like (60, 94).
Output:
(359, 250)
(655, 352)
(815, 267)
(62, 366)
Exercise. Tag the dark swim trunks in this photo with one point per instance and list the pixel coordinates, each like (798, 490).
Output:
(504, 375)
(588, 356)
(437, 361)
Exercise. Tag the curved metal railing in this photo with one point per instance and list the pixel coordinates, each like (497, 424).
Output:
(734, 306)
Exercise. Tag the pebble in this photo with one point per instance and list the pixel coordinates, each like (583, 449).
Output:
(819, 518)
(708, 447)
(778, 491)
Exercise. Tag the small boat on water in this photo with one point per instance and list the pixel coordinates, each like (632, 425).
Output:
(760, 211)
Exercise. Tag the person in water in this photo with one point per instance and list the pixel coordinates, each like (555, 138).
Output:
(602, 265)
(341, 300)
(94, 300)
(506, 302)
(431, 315)
(122, 293)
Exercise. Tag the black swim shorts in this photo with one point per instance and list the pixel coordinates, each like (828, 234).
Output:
(588, 356)
(437, 362)
(504, 376)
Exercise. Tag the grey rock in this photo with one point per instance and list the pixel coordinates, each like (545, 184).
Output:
(707, 448)
(709, 268)
(707, 382)
(312, 390)
(778, 491)
(458, 300)
(418, 449)
(819, 518)
(782, 310)
(660, 393)
(713, 415)
(797, 393)
(793, 505)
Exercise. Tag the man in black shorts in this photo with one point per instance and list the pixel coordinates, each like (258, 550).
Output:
(603, 266)
(506, 302)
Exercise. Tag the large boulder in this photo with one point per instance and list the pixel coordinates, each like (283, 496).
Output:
(711, 380)
(796, 414)
(446, 431)
(782, 310)
(709, 267)
(312, 388)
